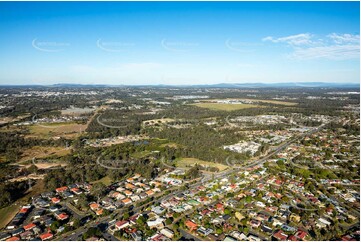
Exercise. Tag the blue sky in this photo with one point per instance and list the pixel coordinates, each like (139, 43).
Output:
(179, 42)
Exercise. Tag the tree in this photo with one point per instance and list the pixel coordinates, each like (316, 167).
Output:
(76, 223)
(91, 232)
(168, 221)
(125, 215)
(141, 220)
(54, 226)
(98, 190)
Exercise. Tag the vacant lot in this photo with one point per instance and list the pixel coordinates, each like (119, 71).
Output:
(43, 152)
(7, 214)
(224, 106)
(105, 180)
(66, 130)
(188, 162)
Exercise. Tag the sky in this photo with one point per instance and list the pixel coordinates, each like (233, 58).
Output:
(134, 43)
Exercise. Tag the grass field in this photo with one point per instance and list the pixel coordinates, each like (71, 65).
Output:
(105, 180)
(187, 162)
(68, 130)
(7, 214)
(43, 152)
(224, 106)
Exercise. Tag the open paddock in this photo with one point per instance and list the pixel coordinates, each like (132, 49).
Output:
(189, 162)
(65, 130)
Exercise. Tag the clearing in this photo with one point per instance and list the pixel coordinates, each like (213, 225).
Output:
(43, 152)
(105, 180)
(225, 106)
(7, 214)
(189, 162)
(56, 130)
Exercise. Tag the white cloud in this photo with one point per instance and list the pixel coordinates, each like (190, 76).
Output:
(334, 47)
(332, 52)
(293, 40)
(344, 38)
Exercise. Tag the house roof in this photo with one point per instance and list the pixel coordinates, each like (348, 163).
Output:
(55, 200)
(280, 235)
(14, 238)
(301, 234)
(127, 200)
(29, 226)
(23, 210)
(62, 216)
(149, 192)
(121, 223)
(99, 212)
(94, 206)
(61, 189)
(190, 224)
(46, 236)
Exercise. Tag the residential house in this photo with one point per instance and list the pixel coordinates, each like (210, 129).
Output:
(279, 235)
(191, 225)
(122, 224)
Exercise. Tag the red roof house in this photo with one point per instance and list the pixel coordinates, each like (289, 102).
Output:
(46, 236)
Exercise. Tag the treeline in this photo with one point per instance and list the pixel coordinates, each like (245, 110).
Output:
(10, 192)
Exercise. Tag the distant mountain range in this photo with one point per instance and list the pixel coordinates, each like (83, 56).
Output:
(219, 85)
